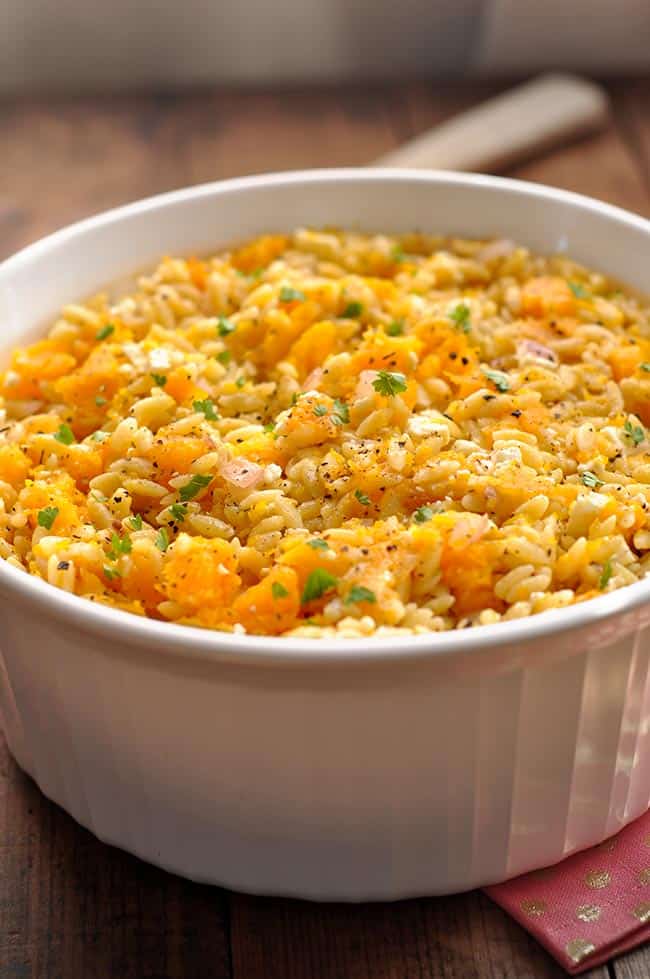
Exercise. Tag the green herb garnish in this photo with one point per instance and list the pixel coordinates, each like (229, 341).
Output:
(389, 383)
(196, 483)
(119, 545)
(635, 432)
(340, 412)
(645, 367)
(162, 539)
(460, 314)
(352, 310)
(578, 290)
(290, 295)
(224, 357)
(395, 329)
(239, 383)
(178, 512)
(591, 480)
(105, 332)
(111, 573)
(136, 522)
(422, 514)
(359, 594)
(224, 326)
(278, 590)
(207, 407)
(397, 253)
(47, 516)
(318, 544)
(362, 498)
(65, 435)
(320, 410)
(159, 380)
(500, 380)
(606, 574)
(318, 582)
(100, 401)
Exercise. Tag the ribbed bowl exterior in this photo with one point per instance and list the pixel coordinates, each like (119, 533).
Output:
(333, 782)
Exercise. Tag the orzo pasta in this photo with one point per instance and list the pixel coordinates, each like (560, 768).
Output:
(335, 433)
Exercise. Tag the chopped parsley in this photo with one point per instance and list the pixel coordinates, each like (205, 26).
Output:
(591, 480)
(159, 379)
(578, 290)
(500, 380)
(389, 383)
(395, 329)
(207, 407)
(224, 357)
(645, 367)
(320, 410)
(318, 582)
(397, 253)
(224, 326)
(65, 435)
(47, 516)
(240, 381)
(460, 314)
(105, 332)
(606, 574)
(178, 512)
(635, 432)
(162, 539)
(136, 521)
(269, 427)
(196, 483)
(362, 498)
(100, 401)
(353, 309)
(340, 412)
(290, 295)
(119, 545)
(318, 544)
(422, 514)
(278, 590)
(359, 594)
(111, 573)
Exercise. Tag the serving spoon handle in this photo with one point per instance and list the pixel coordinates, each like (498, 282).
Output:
(535, 116)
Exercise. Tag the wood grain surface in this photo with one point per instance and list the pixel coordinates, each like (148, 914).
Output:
(71, 907)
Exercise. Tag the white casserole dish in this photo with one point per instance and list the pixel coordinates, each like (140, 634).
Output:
(353, 770)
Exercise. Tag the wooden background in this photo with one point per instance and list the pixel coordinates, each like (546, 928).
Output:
(70, 907)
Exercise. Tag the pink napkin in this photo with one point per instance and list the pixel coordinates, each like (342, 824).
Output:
(590, 907)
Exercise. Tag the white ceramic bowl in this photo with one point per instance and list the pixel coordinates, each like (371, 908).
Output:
(354, 769)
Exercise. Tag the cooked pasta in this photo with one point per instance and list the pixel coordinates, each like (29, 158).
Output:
(331, 433)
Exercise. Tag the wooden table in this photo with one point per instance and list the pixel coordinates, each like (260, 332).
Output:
(70, 907)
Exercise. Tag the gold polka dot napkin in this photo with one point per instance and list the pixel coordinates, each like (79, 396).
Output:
(592, 906)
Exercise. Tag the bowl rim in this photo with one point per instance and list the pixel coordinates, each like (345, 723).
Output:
(195, 642)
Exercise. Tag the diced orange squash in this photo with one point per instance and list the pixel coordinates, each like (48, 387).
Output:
(198, 272)
(547, 295)
(181, 387)
(176, 453)
(200, 572)
(272, 605)
(625, 359)
(259, 253)
(314, 346)
(14, 465)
